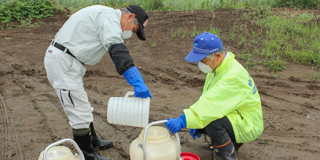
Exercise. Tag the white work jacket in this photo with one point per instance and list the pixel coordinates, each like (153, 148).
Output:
(90, 32)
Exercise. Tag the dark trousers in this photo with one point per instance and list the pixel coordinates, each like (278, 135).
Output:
(217, 131)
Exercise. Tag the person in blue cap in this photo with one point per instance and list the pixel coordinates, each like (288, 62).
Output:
(229, 110)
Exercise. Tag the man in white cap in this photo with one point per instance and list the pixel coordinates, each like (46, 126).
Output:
(229, 109)
(84, 38)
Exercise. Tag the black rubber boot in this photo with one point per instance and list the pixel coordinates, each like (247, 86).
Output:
(226, 151)
(97, 142)
(84, 142)
(224, 148)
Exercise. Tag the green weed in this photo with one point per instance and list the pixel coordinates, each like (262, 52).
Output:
(213, 30)
(241, 56)
(242, 41)
(184, 32)
(275, 75)
(275, 64)
(232, 35)
(293, 73)
(305, 77)
(194, 31)
(174, 34)
(315, 76)
(153, 44)
(28, 23)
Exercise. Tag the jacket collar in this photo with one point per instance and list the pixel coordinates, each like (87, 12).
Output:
(225, 61)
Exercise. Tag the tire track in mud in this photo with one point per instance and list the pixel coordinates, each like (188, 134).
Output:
(20, 76)
(34, 99)
(306, 105)
(121, 135)
(56, 102)
(44, 121)
(288, 89)
(285, 119)
(177, 77)
(11, 147)
(9, 140)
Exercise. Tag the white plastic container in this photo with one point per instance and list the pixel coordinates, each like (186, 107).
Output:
(53, 152)
(130, 111)
(156, 145)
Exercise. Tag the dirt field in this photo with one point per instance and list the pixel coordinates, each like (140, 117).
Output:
(31, 116)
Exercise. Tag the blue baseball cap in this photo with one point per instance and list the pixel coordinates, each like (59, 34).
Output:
(203, 45)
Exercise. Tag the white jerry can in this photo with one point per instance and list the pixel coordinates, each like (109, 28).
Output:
(130, 111)
(53, 152)
(155, 143)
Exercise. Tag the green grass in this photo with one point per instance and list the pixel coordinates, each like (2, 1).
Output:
(171, 5)
(282, 37)
(175, 5)
(275, 64)
(292, 37)
(182, 32)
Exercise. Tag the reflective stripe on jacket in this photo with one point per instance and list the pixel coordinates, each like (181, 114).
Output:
(229, 91)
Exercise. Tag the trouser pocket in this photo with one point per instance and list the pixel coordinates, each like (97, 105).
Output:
(66, 98)
(76, 106)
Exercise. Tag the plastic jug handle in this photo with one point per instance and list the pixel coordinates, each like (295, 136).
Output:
(145, 139)
(129, 93)
(60, 142)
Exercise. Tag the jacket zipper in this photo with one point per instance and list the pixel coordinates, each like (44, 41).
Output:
(240, 114)
(212, 79)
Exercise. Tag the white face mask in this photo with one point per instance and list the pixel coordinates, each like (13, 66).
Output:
(127, 34)
(206, 68)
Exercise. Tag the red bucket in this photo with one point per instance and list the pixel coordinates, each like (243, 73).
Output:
(189, 156)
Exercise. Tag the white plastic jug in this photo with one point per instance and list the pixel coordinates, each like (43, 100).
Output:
(53, 152)
(155, 143)
(130, 111)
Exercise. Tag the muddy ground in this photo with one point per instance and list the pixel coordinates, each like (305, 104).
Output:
(31, 116)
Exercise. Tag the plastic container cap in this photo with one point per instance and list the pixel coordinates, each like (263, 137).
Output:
(57, 153)
(189, 156)
(155, 134)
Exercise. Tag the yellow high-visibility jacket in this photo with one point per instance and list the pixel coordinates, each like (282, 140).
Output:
(229, 91)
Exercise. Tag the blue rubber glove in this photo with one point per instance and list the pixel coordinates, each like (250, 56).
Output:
(195, 133)
(175, 125)
(134, 78)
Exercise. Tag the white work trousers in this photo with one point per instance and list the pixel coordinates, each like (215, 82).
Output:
(65, 74)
